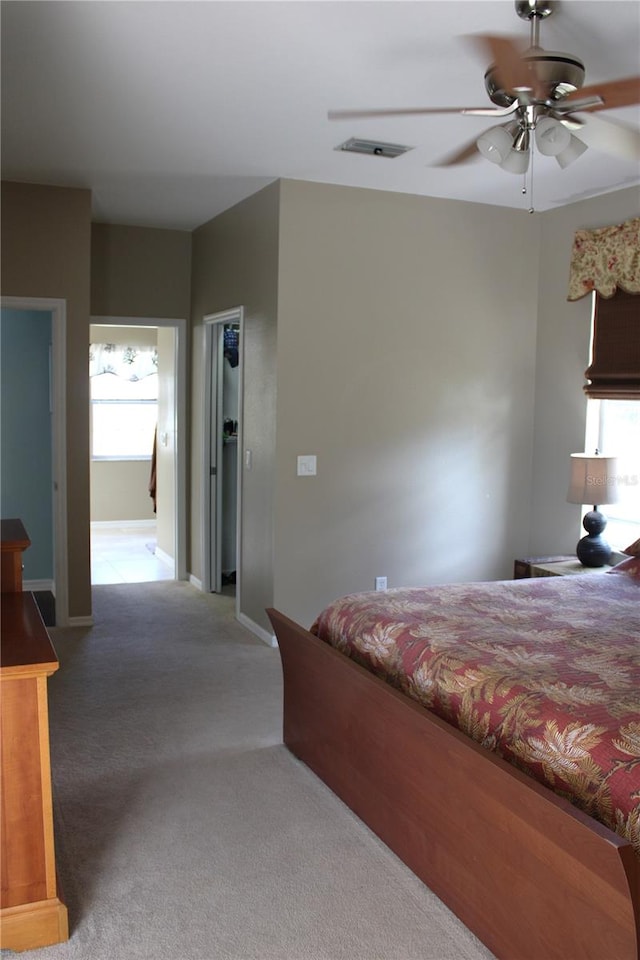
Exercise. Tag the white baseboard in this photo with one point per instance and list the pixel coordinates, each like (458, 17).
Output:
(256, 629)
(164, 557)
(80, 622)
(105, 524)
(37, 586)
(260, 632)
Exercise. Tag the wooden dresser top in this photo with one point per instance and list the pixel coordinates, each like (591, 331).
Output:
(13, 535)
(26, 647)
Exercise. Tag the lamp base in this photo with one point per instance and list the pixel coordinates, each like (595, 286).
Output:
(593, 550)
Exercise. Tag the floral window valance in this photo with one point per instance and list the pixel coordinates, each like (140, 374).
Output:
(129, 363)
(605, 259)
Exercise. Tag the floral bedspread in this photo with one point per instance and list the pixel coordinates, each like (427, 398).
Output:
(545, 672)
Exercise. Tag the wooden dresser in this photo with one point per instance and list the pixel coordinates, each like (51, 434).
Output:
(31, 911)
(13, 541)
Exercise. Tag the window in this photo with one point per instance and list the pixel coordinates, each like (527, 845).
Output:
(613, 407)
(614, 371)
(613, 427)
(124, 401)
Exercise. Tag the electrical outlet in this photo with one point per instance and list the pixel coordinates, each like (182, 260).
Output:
(381, 583)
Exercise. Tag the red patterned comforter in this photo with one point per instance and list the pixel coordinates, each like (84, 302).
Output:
(545, 672)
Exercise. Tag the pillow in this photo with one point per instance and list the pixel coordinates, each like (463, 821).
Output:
(633, 549)
(630, 566)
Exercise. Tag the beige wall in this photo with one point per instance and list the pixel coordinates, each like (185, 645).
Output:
(235, 263)
(562, 357)
(139, 272)
(120, 490)
(125, 336)
(406, 348)
(45, 253)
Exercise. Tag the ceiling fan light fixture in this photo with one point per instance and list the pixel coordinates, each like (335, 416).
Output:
(495, 143)
(521, 139)
(543, 92)
(575, 149)
(551, 137)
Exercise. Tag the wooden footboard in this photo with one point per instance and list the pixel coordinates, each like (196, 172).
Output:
(528, 873)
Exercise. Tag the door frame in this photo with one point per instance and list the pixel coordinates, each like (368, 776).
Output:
(57, 308)
(210, 321)
(181, 345)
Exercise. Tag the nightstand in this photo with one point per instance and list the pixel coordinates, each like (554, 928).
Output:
(522, 568)
(565, 568)
(553, 567)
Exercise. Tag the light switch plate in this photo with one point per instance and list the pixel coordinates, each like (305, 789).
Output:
(307, 466)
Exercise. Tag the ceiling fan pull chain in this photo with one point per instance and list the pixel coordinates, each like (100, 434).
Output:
(526, 171)
(529, 171)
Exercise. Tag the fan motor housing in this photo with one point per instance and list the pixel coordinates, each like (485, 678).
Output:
(560, 73)
(528, 9)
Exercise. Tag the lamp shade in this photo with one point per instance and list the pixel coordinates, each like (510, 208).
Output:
(494, 144)
(593, 479)
(551, 137)
(575, 149)
(517, 161)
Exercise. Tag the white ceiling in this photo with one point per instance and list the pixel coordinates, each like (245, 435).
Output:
(171, 112)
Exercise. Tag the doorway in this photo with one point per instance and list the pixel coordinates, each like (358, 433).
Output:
(53, 315)
(130, 541)
(222, 480)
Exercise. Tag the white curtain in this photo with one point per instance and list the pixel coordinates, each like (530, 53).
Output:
(129, 363)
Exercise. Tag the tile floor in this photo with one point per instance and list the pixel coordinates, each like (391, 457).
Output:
(124, 554)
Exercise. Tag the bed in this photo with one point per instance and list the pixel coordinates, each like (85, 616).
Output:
(525, 822)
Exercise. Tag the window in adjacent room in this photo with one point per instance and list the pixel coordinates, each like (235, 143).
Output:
(124, 401)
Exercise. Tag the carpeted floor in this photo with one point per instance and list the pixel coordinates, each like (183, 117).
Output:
(185, 829)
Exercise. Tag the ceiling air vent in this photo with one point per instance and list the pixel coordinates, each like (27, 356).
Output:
(374, 148)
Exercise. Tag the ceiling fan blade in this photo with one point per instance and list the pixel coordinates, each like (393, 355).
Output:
(561, 109)
(462, 155)
(514, 73)
(400, 112)
(610, 136)
(615, 93)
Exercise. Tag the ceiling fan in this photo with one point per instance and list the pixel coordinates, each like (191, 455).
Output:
(540, 95)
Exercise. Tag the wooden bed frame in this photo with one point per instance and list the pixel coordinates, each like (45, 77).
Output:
(531, 875)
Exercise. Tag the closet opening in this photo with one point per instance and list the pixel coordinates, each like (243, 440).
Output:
(222, 445)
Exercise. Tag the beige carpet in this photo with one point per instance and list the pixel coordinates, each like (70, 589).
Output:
(185, 829)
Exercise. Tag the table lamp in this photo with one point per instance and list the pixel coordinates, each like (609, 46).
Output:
(593, 479)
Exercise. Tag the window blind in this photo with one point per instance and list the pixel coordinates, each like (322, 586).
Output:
(614, 372)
